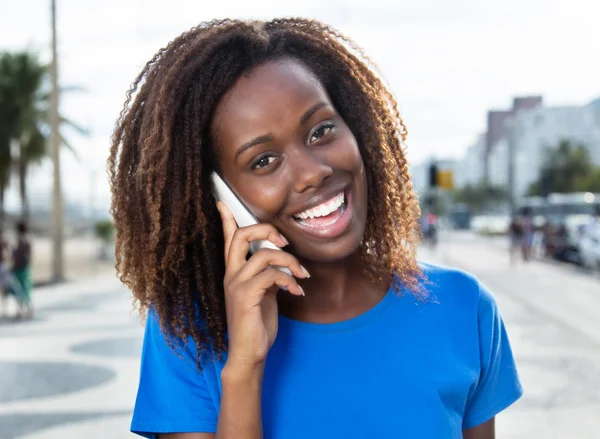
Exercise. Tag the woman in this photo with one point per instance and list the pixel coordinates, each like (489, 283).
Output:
(5, 275)
(360, 341)
(515, 236)
(21, 272)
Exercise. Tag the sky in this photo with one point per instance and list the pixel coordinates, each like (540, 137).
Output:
(447, 62)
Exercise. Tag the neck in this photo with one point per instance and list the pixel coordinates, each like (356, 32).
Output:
(335, 291)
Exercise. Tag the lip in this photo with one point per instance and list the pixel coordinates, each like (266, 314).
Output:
(333, 230)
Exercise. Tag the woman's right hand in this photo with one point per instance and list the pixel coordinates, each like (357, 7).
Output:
(251, 287)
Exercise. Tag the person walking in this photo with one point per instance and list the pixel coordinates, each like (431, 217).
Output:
(515, 237)
(528, 231)
(21, 270)
(5, 275)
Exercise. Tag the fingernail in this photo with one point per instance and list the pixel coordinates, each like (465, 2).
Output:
(301, 290)
(283, 288)
(283, 239)
(305, 271)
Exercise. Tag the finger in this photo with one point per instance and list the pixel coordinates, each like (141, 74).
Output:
(266, 258)
(229, 226)
(243, 236)
(260, 284)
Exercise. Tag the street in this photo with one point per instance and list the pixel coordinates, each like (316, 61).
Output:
(72, 371)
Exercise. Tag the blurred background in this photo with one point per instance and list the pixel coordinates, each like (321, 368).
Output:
(502, 104)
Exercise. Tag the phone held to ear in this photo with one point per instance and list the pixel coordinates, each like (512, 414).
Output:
(243, 217)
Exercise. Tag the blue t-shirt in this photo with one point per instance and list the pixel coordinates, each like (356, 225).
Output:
(406, 368)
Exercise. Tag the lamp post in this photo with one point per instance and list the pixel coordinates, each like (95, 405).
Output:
(510, 126)
(57, 201)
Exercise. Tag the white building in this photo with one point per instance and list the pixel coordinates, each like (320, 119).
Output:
(471, 169)
(536, 130)
(532, 132)
(498, 164)
(419, 174)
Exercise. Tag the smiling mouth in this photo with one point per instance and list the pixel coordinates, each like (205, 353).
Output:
(323, 215)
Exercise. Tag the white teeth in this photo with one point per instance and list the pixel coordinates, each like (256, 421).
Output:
(323, 209)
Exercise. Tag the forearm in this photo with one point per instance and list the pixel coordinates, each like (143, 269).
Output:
(240, 413)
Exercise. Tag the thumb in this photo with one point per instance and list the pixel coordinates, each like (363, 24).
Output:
(229, 226)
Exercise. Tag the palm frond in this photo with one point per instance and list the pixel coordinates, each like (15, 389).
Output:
(69, 123)
(73, 151)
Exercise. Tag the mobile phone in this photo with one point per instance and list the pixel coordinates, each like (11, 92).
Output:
(243, 217)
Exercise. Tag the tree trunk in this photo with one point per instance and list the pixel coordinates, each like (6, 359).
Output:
(23, 184)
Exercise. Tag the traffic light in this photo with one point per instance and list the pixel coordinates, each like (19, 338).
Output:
(442, 178)
(445, 180)
(433, 175)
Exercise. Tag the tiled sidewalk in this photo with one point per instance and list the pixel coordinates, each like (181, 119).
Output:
(72, 371)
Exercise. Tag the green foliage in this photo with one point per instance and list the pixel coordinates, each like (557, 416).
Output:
(567, 168)
(21, 79)
(24, 117)
(105, 230)
(479, 197)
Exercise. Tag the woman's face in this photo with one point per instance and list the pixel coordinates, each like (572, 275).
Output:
(291, 158)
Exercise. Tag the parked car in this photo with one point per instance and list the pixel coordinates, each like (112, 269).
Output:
(567, 237)
(589, 247)
(490, 224)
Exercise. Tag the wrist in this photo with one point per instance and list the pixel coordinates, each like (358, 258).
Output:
(242, 372)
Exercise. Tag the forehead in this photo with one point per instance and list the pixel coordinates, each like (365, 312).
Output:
(270, 95)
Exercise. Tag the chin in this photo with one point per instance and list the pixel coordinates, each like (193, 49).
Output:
(328, 252)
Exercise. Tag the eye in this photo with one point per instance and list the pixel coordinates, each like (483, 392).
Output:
(263, 162)
(320, 132)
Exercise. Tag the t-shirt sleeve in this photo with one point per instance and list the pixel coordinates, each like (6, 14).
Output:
(498, 385)
(173, 395)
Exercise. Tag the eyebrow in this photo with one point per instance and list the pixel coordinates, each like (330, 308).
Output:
(306, 116)
(258, 140)
(269, 138)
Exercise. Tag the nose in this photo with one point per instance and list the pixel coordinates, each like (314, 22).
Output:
(309, 169)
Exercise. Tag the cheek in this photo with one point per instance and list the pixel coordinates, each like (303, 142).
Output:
(351, 160)
(348, 155)
(265, 199)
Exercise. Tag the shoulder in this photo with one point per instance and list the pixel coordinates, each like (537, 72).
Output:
(456, 291)
(441, 280)
(161, 347)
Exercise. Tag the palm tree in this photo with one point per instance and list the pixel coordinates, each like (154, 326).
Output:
(24, 117)
(21, 77)
(35, 135)
(567, 167)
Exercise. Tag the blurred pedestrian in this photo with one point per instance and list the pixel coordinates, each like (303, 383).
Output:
(21, 270)
(515, 236)
(561, 242)
(4, 274)
(528, 231)
(548, 240)
(431, 231)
